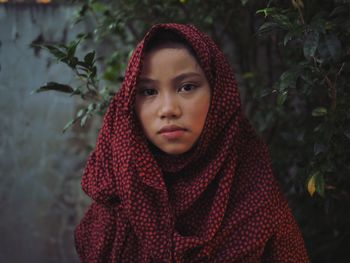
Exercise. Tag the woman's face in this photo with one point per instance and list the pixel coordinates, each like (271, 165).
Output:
(172, 99)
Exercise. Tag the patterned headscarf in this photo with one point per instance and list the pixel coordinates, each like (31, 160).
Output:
(219, 202)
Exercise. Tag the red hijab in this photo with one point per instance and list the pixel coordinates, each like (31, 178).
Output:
(219, 202)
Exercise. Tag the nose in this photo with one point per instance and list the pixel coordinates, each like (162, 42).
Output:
(169, 107)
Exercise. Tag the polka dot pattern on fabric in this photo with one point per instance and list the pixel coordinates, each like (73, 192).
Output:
(218, 202)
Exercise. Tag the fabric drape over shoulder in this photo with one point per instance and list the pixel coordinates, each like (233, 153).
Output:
(219, 202)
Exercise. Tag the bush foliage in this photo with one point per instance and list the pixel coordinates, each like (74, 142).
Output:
(292, 62)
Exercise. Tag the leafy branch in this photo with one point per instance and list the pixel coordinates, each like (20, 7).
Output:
(86, 71)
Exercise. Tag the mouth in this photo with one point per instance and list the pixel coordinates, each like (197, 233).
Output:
(172, 131)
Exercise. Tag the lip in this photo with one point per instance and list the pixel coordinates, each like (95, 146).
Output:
(171, 128)
(172, 131)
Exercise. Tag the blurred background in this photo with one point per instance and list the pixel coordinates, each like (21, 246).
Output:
(62, 61)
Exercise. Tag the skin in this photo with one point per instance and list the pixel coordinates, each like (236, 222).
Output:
(172, 90)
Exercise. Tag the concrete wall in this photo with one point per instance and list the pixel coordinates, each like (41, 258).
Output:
(40, 168)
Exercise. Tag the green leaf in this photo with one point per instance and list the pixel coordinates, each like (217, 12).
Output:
(83, 66)
(69, 124)
(93, 72)
(244, 2)
(72, 47)
(55, 86)
(89, 58)
(91, 107)
(330, 48)
(98, 7)
(82, 75)
(248, 75)
(311, 185)
(311, 44)
(208, 20)
(76, 91)
(80, 113)
(296, 32)
(318, 112)
(54, 50)
(83, 120)
(339, 10)
(267, 27)
(266, 11)
(319, 148)
(320, 184)
(83, 35)
(281, 98)
(282, 20)
(288, 79)
(307, 77)
(318, 24)
(265, 93)
(316, 183)
(334, 46)
(83, 9)
(72, 62)
(109, 74)
(288, 37)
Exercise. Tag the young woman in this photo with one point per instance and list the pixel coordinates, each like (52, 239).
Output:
(178, 173)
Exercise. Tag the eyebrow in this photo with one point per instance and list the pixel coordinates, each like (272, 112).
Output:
(176, 79)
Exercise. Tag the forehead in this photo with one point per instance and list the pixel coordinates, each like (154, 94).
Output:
(169, 58)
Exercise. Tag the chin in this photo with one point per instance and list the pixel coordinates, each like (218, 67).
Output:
(175, 150)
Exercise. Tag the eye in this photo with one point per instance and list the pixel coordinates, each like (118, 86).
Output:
(187, 87)
(147, 92)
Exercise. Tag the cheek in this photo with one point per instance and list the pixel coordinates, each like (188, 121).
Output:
(199, 112)
(144, 114)
(140, 112)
